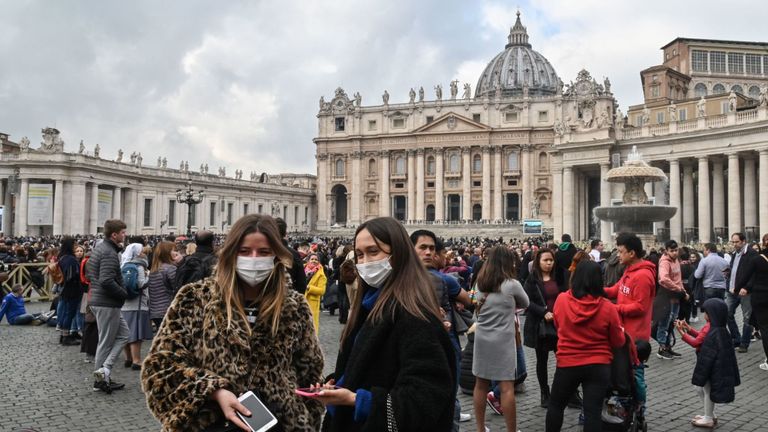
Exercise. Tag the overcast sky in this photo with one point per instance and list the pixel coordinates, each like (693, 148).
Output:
(236, 83)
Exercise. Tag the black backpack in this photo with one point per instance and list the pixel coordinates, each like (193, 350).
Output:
(193, 269)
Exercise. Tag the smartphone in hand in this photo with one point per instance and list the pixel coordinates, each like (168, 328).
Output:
(261, 419)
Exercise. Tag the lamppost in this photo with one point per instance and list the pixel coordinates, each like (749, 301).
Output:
(189, 197)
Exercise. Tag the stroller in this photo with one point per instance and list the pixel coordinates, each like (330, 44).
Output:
(621, 409)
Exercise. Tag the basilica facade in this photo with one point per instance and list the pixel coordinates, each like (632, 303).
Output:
(524, 145)
(49, 191)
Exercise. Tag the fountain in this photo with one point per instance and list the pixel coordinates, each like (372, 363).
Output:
(635, 214)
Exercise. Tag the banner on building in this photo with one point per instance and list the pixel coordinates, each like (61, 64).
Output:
(40, 204)
(105, 206)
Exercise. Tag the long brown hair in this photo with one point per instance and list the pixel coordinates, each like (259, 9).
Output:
(500, 265)
(409, 284)
(162, 255)
(275, 288)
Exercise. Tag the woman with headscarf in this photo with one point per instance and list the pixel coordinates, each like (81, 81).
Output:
(136, 311)
(315, 287)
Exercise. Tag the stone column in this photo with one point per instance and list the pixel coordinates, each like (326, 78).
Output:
(384, 199)
(581, 195)
(21, 208)
(568, 200)
(7, 207)
(734, 195)
(705, 219)
(718, 194)
(750, 193)
(411, 186)
(58, 208)
(439, 198)
(675, 226)
(763, 205)
(557, 201)
(421, 209)
(77, 204)
(357, 189)
(117, 203)
(526, 175)
(498, 195)
(322, 191)
(605, 201)
(466, 185)
(486, 183)
(93, 217)
(688, 201)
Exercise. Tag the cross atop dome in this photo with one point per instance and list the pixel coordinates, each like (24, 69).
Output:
(518, 34)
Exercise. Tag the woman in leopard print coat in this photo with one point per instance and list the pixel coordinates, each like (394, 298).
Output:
(216, 343)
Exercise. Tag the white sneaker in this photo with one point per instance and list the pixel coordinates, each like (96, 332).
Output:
(464, 417)
(764, 365)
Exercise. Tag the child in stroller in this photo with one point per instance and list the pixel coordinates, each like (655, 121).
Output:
(624, 405)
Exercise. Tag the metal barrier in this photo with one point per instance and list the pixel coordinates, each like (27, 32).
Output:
(22, 274)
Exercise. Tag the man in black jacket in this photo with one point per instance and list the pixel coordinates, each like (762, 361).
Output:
(200, 264)
(563, 258)
(297, 271)
(108, 295)
(737, 291)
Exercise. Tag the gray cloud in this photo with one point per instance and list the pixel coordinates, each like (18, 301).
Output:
(237, 83)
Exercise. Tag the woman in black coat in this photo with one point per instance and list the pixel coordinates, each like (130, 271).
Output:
(755, 279)
(542, 289)
(396, 368)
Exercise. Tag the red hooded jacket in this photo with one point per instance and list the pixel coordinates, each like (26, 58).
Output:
(634, 294)
(587, 329)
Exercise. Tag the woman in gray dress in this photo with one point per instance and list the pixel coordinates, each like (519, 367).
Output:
(495, 352)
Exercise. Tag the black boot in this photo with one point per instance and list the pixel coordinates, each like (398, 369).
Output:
(545, 397)
(69, 341)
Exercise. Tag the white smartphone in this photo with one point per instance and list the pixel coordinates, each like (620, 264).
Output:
(261, 419)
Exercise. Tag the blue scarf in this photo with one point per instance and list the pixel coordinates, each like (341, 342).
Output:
(370, 298)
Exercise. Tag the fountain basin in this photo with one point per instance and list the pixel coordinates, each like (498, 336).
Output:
(635, 218)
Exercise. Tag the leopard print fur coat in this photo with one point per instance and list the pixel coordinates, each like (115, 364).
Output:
(195, 354)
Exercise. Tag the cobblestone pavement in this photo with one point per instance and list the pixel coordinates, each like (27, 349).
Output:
(48, 387)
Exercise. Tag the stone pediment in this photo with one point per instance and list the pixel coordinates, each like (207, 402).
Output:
(452, 122)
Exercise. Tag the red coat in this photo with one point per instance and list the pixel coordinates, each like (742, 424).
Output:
(634, 294)
(695, 338)
(587, 329)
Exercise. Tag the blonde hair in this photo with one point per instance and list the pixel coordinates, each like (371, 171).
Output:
(191, 248)
(275, 288)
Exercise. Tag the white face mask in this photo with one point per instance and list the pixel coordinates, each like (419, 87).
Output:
(253, 270)
(375, 273)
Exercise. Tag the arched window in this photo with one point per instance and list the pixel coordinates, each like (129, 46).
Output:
(372, 167)
(371, 206)
(544, 206)
(339, 167)
(430, 213)
(718, 88)
(477, 163)
(513, 162)
(431, 165)
(453, 163)
(700, 90)
(543, 162)
(400, 165)
(477, 212)
(737, 88)
(754, 92)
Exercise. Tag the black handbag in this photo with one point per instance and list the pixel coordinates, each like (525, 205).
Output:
(463, 320)
(547, 329)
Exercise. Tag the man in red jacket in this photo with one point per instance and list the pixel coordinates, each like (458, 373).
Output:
(635, 290)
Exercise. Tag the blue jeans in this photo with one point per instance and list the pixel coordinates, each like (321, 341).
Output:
(67, 311)
(733, 301)
(457, 404)
(662, 335)
(79, 318)
(23, 319)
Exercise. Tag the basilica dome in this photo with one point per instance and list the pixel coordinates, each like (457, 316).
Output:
(516, 68)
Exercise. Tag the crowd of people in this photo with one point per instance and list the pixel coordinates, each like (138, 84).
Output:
(229, 314)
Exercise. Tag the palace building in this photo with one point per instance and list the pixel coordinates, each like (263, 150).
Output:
(526, 145)
(47, 191)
